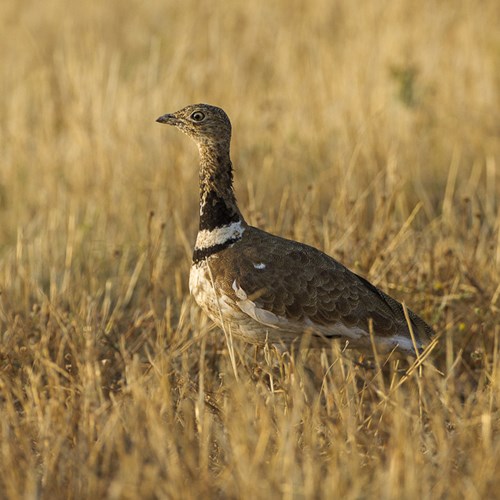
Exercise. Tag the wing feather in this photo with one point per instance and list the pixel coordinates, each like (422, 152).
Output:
(305, 286)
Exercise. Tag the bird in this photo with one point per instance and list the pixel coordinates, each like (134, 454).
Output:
(266, 289)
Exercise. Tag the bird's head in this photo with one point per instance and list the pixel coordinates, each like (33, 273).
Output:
(204, 123)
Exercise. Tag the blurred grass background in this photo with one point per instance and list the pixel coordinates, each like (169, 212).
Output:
(369, 129)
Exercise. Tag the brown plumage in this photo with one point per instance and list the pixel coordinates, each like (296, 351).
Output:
(269, 289)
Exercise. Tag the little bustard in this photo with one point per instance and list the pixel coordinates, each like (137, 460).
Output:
(265, 288)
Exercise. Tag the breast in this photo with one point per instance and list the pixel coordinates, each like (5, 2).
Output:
(217, 304)
(200, 285)
(203, 291)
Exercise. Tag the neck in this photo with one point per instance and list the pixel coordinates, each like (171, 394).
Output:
(217, 201)
(221, 222)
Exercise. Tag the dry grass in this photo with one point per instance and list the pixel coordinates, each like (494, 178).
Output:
(369, 129)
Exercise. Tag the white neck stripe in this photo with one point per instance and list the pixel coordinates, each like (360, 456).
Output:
(219, 235)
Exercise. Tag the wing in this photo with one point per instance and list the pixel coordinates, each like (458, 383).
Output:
(291, 282)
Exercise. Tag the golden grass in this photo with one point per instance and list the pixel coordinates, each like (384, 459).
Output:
(369, 129)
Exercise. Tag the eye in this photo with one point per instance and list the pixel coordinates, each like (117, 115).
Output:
(197, 116)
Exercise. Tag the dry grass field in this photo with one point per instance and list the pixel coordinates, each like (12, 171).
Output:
(369, 129)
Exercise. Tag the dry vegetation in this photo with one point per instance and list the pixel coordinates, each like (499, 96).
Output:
(369, 129)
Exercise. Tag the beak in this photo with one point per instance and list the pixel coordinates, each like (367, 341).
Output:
(168, 119)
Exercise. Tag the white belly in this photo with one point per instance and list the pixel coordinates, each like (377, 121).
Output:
(219, 305)
(202, 288)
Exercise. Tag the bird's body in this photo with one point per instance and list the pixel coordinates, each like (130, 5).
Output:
(264, 288)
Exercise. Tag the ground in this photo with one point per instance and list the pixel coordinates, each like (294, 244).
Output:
(367, 129)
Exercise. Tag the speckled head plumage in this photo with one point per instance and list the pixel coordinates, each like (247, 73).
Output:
(205, 124)
(209, 127)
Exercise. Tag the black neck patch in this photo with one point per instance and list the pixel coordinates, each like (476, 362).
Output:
(216, 212)
(200, 254)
